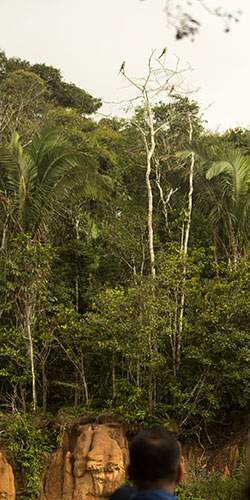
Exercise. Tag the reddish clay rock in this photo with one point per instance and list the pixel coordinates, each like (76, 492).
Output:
(225, 460)
(105, 465)
(7, 484)
(68, 479)
(53, 479)
(81, 451)
(90, 463)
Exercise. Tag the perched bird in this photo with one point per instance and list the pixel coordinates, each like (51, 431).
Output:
(122, 67)
(4, 73)
(163, 52)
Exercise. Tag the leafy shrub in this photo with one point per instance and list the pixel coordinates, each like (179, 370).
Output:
(213, 488)
(29, 444)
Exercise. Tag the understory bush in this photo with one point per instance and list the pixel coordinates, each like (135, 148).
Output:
(214, 488)
(29, 443)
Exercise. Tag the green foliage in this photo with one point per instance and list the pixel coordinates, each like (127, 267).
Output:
(173, 350)
(220, 336)
(238, 138)
(23, 100)
(63, 94)
(214, 488)
(14, 368)
(29, 444)
(221, 192)
(36, 185)
(234, 173)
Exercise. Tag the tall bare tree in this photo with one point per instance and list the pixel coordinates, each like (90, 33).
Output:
(159, 80)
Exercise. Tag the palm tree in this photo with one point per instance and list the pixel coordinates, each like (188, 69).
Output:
(222, 194)
(35, 185)
(230, 214)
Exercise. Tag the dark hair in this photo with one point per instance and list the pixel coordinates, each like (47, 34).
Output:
(154, 455)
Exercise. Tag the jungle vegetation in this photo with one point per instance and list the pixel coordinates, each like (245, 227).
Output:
(90, 318)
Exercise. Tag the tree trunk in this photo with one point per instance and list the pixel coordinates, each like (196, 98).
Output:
(77, 291)
(185, 248)
(85, 386)
(150, 152)
(28, 314)
(3, 243)
(77, 272)
(76, 389)
(23, 398)
(44, 386)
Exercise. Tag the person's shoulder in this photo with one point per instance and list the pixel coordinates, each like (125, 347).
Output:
(123, 493)
(153, 494)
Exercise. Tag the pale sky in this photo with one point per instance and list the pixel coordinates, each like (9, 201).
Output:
(88, 40)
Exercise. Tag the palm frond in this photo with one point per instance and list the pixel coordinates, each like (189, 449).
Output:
(44, 141)
(41, 181)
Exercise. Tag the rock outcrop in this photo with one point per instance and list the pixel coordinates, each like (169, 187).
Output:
(7, 484)
(227, 449)
(89, 464)
(90, 461)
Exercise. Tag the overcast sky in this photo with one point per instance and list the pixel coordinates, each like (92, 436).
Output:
(88, 40)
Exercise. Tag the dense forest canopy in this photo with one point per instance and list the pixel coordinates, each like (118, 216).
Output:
(124, 267)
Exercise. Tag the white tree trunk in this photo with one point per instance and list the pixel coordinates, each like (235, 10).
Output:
(32, 364)
(150, 152)
(185, 246)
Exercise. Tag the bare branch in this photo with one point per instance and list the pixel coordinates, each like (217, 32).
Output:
(185, 22)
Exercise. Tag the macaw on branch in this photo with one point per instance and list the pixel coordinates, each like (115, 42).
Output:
(163, 52)
(4, 73)
(122, 67)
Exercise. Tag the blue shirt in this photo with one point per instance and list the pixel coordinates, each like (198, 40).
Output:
(153, 495)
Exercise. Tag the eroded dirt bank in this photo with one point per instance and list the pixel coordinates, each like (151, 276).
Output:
(91, 457)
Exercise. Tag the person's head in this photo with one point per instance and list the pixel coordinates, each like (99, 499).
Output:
(155, 459)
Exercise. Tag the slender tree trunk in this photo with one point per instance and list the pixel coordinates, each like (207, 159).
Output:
(23, 398)
(77, 272)
(185, 248)
(76, 389)
(77, 291)
(86, 392)
(156, 82)
(165, 200)
(174, 334)
(215, 249)
(3, 243)
(150, 390)
(28, 322)
(44, 386)
(150, 152)
(190, 204)
(150, 222)
(137, 371)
